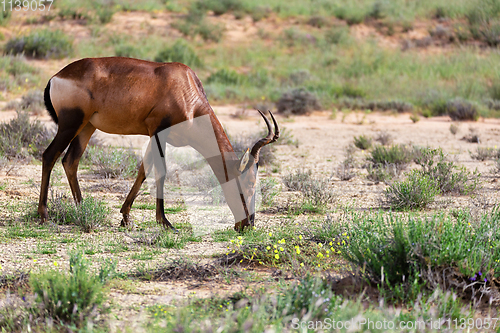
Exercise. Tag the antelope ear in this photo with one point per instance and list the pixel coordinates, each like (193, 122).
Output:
(244, 160)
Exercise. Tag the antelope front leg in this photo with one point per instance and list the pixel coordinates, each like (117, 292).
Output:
(127, 205)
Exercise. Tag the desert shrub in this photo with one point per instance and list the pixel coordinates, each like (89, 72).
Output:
(416, 192)
(21, 138)
(298, 101)
(399, 155)
(351, 14)
(336, 34)
(485, 153)
(382, 172)
(104, 10)
(90, 214)
(384, 138)
(209, 31)
(111, 162)
(363, 142)
(360, 104)
(220, 7)
(461, 110)
(448, 177)
(435, 251)
(269, 188)
(317, 193)
(454, 128)
(72, 297)
(41, 44)
(226, 76)
(317, 21)
(127, 50)
(345, 171)
(181, 52)
(31, 102)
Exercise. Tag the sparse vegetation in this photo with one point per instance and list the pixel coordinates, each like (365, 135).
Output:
(74, 297)
(416, 192)
(440, 261)
(41, 44)
(181, 52)
(112, 163)
(297, 101)
(21, 138)
(363, 142)
(317, 193)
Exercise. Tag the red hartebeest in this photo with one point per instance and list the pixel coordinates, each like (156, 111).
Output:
(129, 96)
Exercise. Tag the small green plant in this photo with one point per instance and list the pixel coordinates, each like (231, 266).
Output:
(89, 214)
(72, 297)
(181, 52)
(398, 155)
(269, 188)
(226, 76)
(363, 142)
(448, 177)
(414, 118)
(41, 44)
(345, 169)
(454, 128)
(416, 192)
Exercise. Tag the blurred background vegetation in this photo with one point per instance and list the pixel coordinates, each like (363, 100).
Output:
(431, 57)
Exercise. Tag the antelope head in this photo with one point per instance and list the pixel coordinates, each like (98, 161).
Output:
(246, 172)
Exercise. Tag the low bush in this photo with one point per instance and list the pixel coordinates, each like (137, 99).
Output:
(21, 138)
(297, 102)
(220, 7)
(31, 102)
(74, 297)
(448, 177)
(485, 153)
(41, 44)
(181, 52)
(461, 110)
(384, 138)
(226, 76)
(345, 171)
(111, 162)
(399, 155)
(363, 142)
(440, 251)
(89, 215)
(269, 189)
(127, 50)
(317, 193)
(416, 192)
(357, 103)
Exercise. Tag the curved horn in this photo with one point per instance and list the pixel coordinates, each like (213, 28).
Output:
(268, 139)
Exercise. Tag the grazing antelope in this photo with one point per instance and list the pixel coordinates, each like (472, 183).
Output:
(129, 96)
